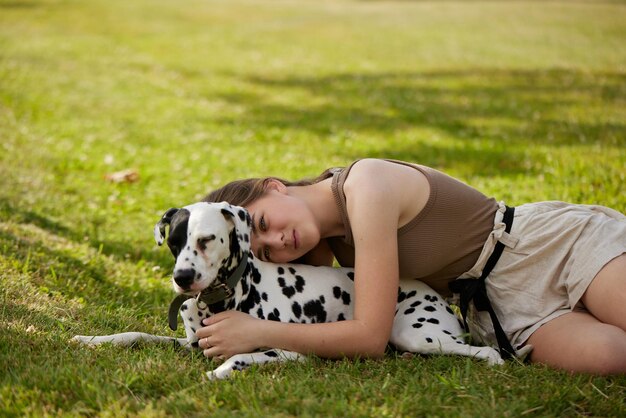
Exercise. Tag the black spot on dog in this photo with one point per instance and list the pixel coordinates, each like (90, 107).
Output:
(447, 332)
(337, 292)
(274, 315)
(315, 311)
(292, 270)
(281, 282)
(430, 308)
(421, 319)
(409, 311)
(271, 353)
(281, 270)
(289, 291)
(251, 301)
(300, 284)
(184, 308)
(341, 317)
(256, 275)
(417, 325)
(416, 303)
(345, 296)
(264, 296)
(242, 214)
(433, 320)
(429, 340)
(401, 296)
(351, 275)
(411, 294)
(296, 309)
(259, 313)
(449, 310)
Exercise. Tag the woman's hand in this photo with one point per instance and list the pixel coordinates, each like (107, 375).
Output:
(229, 333)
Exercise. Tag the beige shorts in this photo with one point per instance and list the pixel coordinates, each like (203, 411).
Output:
(551, 255)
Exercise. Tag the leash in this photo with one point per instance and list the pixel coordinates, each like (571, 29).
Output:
(210, 295)
(475, 290)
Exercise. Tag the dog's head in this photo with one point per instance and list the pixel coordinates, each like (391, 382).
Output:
(208, 241)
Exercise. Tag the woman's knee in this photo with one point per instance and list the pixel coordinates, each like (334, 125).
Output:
(578, 342)
(607, 352)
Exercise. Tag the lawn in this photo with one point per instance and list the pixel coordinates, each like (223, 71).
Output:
(525, 100)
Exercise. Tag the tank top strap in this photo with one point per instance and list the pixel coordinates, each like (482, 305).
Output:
(339, 178)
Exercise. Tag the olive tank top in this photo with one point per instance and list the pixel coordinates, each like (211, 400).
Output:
(442, 242)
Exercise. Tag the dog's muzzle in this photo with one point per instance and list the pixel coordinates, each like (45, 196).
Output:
(184, 278)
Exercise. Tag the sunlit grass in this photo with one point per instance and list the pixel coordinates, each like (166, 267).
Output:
(524, 100)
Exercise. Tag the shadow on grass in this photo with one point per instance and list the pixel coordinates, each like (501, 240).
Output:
(120, 250)
(509, 106)
(22, 4)
(58, 271)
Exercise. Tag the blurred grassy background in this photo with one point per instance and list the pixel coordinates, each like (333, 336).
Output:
(524, 100)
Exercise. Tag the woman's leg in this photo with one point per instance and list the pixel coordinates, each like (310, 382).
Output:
(605, 297)
(593, 341)
(578, 342)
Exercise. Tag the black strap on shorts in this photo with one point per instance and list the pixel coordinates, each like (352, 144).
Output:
(475, 290)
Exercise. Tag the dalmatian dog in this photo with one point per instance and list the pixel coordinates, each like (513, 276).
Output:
(216, 270)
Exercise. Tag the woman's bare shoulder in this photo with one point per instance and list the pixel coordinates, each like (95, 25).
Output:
(394, 188)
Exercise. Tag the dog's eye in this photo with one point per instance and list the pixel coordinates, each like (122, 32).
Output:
(202, 242)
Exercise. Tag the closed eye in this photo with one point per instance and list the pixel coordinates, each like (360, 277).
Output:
(263, 253)
(261, 222)
(203, 241)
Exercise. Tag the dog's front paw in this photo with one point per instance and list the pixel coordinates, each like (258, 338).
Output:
(492, 356)
(227, 368)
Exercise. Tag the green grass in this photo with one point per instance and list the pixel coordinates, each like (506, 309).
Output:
(525, 100)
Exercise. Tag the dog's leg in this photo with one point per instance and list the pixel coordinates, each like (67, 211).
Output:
(243, 361)
(425, 323)
(126, 339)
(431, 339)
(438, 345)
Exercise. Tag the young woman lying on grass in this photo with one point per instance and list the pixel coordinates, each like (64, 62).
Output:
(559, 284)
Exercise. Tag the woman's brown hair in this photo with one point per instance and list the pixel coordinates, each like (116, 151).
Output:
(243, 192)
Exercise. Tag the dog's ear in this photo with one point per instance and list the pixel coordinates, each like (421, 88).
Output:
(227, 213)
(159, 228)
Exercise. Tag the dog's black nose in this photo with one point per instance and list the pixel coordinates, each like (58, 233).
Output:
(184, 278)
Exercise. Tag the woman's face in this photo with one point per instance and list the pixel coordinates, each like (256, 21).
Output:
(284, 228)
